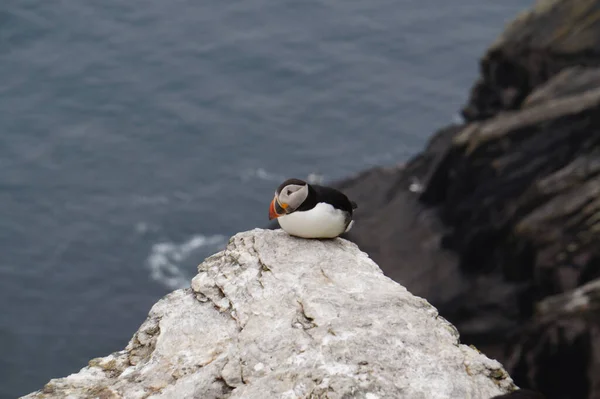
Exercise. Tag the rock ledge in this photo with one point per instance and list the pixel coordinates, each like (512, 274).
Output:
(274, 316)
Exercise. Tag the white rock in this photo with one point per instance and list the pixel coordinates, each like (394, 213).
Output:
(275, 316)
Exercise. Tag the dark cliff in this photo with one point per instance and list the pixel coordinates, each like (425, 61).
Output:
(497, 221)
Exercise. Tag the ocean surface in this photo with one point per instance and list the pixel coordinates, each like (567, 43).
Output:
(137, 136)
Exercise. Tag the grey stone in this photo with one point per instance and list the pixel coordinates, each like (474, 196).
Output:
(275, 316)
(565, 328)
(550, 37)
(508, 210)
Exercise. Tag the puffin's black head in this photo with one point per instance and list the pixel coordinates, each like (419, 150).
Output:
(289, 196)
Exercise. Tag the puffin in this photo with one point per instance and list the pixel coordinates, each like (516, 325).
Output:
(311, 210)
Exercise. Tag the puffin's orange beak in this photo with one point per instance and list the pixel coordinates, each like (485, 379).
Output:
(276, 210)
(272, 213)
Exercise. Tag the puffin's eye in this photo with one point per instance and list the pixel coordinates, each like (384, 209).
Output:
(289, 192)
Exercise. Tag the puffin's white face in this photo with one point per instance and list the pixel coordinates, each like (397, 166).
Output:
(288, 198)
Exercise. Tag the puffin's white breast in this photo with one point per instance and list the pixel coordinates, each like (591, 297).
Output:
(322, 221)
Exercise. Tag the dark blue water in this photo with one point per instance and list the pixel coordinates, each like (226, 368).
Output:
(136, 136)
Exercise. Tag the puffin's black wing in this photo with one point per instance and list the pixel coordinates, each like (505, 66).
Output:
(334, 197)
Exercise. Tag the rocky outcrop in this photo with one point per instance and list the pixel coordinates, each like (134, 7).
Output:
(275, 316)
(565, 331)
(502, 212)
(540, 43)
(521, 394)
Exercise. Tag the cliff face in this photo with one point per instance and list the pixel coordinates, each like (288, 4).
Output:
(274, 316)
(520, 192)
(541, 42)
(500, 215)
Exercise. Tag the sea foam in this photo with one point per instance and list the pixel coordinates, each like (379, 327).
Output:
(166, 260)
